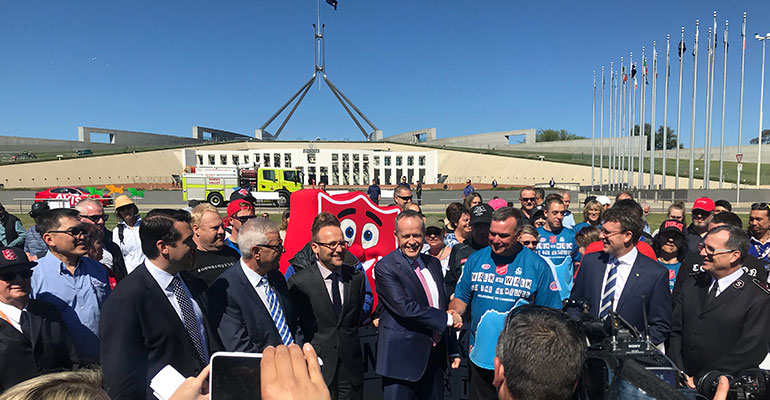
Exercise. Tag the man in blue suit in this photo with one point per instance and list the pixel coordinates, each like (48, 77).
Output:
(415, 334)
(249, 302)
(619, 278)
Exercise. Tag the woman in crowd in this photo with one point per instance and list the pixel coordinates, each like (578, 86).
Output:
(459, 221)
(126, 233)
(473, 200)
(675, 211)
(669, 248)
(538, 216)
(586, 236)
(592, 215)
(528, 237)
(434, 237)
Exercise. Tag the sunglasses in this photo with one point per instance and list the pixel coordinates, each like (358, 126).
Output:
(10, 276)
(405, 198)
(529, 242)
(700, 214)
(74, 232)
(244, 218)
(760, 206)
(528, 199)
(95, 218)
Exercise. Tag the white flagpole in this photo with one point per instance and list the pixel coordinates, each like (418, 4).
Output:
(761, 103)
(740, 112)
(601, 138)
(631, 134)
(623, 117)
(680, 51)
(665, 112)
(692, 122)
(711, 95)
(642, 144)
(724, 92)
(593, 134)
(706, 137)
(653, 127)
(612, 125)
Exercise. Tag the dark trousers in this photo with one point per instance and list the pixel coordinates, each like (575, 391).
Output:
(429, 387)
(342, 387)
(481, 383)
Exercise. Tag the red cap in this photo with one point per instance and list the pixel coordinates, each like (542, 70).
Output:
(240, 204)
(704, 203)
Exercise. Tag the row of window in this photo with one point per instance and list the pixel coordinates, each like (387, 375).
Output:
(265, 159)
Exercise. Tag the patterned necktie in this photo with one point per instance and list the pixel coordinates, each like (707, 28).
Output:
(188, 318)
(609, 290)
(276, 313)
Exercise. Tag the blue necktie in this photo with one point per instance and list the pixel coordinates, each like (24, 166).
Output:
(188, 318)
(609, 290)
(276, 313)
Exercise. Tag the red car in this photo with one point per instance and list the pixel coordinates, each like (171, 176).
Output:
(72, 193)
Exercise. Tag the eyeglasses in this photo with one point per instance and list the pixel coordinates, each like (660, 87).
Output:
(528, 199)
(244, 218)
(405, 198)
(607, 233)
(333, 245)
(10, 276)
(711, 252)
(528, 242)
(74, 232)
(275, 247)
(95, 218)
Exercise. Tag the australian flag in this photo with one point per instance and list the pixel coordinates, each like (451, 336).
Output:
(332, 3)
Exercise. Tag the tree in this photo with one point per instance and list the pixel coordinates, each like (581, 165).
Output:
(670, 137)
(553, 135)
(765, 137)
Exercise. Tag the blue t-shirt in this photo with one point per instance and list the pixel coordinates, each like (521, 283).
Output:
(374, 193)
(673, 269)
(561, 252)
(494, 285)
(582, 225)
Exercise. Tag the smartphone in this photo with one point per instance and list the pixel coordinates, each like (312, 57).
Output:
(235, 376)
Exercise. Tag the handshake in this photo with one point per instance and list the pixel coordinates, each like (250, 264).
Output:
(457, 319)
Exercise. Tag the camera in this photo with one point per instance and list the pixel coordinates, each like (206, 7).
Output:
(750, 384)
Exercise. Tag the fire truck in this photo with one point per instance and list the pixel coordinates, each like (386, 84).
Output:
(216, 184)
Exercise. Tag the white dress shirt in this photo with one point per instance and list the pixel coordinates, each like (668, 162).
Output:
(724, 282)
(621, 276)
(432, 286)
(325, 272)
(254, 279)
(13, 314)
(164, 279)
(131, 246)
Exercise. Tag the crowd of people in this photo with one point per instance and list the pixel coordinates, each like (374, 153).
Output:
(487, 284)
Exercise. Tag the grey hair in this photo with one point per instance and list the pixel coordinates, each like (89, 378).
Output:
(410, 214)
(503, 213)
(84, 203)
(254, 232)
(738, 240)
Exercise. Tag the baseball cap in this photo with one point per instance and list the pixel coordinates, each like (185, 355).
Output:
(14, 259)
(433, 230)
(703, 203)
(604, 200)
(538, 212)
(671, 225)
(589, 199)
(481, 213)
(238, 205)
(242, 194)
(497, 203)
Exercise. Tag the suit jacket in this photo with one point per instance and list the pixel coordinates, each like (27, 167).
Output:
(50, 348)
(729, 334)
(141, 333)
(407, 322)
(647, 285)
(334, 339)
(238, 314)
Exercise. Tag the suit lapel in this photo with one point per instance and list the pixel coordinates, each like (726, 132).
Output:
(316, 280)
(412, 278)
(35, 322)
(347, 285)
(730, 294)
(251, 293)
(599, 271)
(437, 278)
(633, 277)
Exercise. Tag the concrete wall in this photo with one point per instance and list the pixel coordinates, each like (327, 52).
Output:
(578, 146)
(130, 139)
(490, 140)
(35, 145)
(427, 135)
(217, 135)
(749, 153)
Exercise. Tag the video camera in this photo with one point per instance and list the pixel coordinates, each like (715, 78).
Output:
(751, 384)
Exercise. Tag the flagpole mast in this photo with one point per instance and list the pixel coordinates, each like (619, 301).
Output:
(630, 132)
(593, 134)
(623, 117)
(740, 112)
(640, 174)
(706, 150)
(681, 50)
(724, 91)
(652, 122)
(601, 139)
(628, 154)
(611, 125)
(711, 96)
(615, 137)
(761, 102)
(665, 112)
(694, 93)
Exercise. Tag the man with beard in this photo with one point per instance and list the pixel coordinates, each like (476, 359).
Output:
(528, 201)
(212, 257)
(759, 233)
(701, 216)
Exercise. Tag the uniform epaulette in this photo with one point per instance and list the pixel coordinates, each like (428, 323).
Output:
(761, 285)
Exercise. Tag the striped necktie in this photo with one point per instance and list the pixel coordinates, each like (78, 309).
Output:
(188, 318)
(608, 296)
(276, 313)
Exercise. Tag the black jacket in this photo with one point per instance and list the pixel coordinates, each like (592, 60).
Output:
(334, 339)
(49, 350)
(691, 268)
(458, 256)
(730, 334)
(9, 223)
(691, 239)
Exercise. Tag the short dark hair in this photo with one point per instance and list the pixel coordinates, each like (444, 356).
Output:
(455, 211)
(628, 219)
(539, 192)
(503, 213)
(727, 218)
(51, 220)
(761, 207)
(553, 196)
(157, 225)
(542, 352)
(738, 240)
(551, 199)
(322, 220)
(723, 203)
(622, 193)
(532, 188)
(587, 235)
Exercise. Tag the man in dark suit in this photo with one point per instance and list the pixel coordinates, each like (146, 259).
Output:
(33, 337)
(328, 297)
(155, 316)
(414, 329)
(720, 320)
(621, 280)
(249, 302)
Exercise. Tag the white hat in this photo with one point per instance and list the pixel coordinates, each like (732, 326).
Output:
(604, 200)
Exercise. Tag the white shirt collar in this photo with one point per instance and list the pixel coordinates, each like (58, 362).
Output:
(630, 257)
(725, 281)
(162, 277)
(325, 272)
(11, 312)
(253, 277)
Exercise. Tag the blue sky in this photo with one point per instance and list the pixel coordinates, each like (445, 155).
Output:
(459, 66)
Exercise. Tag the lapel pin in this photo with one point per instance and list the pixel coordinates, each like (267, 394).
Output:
(738, 284)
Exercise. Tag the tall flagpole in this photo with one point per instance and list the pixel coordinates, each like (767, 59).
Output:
(724, 91)
(681, 50)
(611, 125)
(711, 95)
(631, 132)
(617, 133)
(640, 174)
(665, 112)
(623, 116)
(601, 138)
(630, 125)
(593, 134)
(654, 106)
(740, 112)
(706, 136)
(694, 93)
(761, 101)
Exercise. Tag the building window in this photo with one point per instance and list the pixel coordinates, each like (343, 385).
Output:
(356, 174)
(212, 159)
(335, 174)
(311, 158)
(223, 159)
(200, 159)
(256, 158)
(410, 161)
(246, 159)
(345, 157)
(399, 160)
(422, 161)
(325, 175)
(387, 162)
(376, 161)
(366, 158)
(287, 160)
(266, 157)
(236, 160)
(356, 157)
(276, 160)
(335, 157)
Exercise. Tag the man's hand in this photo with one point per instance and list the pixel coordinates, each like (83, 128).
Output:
(376, 322)
(457, 319)
(689, 381)
(455, 363)
(722, 388)
(288, 374)
(194, 388)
